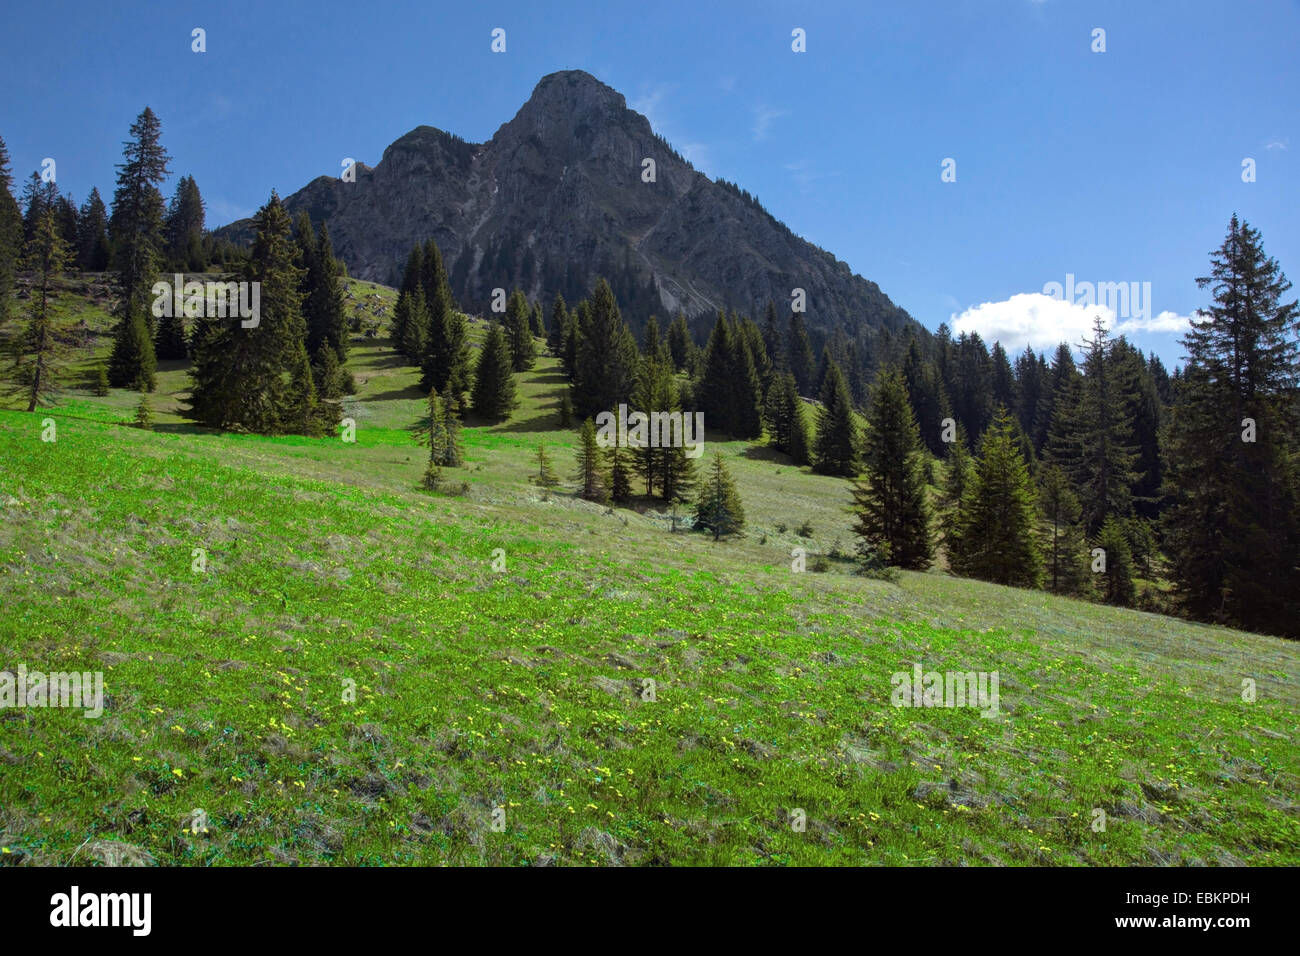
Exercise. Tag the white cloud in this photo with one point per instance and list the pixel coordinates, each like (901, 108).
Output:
(223, 212)
(1277, 144)
(1041, 322)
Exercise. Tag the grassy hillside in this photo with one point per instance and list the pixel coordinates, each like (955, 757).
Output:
(523, 689)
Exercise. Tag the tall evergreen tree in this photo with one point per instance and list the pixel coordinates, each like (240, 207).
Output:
(1063, 540)
(1231, 530)
(11, 234)
(1117, 578)
(253, 379)
(92, 234)
(835, 451)
(799, 354)
(606, 356)
(559, 325)
(494, 382)
(137, 237)
(183, 228)
(590, 463)
(997, 539)
(38, 355)
(679, 342)
(519, 332)
(960, 473)
(890, 503)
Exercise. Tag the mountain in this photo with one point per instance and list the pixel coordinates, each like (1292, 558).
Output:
(557, 198)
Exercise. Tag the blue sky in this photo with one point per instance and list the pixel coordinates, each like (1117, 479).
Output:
(1122, 166)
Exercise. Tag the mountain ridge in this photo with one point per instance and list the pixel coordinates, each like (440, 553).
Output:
(556, 197)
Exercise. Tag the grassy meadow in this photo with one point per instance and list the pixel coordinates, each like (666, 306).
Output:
(344, 676)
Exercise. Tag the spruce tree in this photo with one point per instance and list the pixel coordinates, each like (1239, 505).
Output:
(590, 475)
(38, 355)
(494, 382)
(799, 353)
(1117, 579)
(519, 333)
(679, 342)
(1063, 546)
(960, 472)
(137, 236)
(559, 325)
(800, 444)
(417, 323)
(453, 454)
(890, 503)
(183, 228)
(539, 321)
(323, 306)
(545, 476)
(241, 376)
(11, 234)
(143, 413)
(779, 409)
(92, 233)
(835, 451)
(169, 340)
(718, 508)
(1231, 529)
(620, 475)
(997, 539)
(606, 356)
(100, 387)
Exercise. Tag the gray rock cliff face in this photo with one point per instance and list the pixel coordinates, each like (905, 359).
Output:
(556, 198)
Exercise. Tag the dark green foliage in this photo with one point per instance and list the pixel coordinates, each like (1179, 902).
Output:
(1063, 545)
(519, 333)
(559, 329)
(835, 451)
(961, 471)
(1231, 531)
(323, 306)
(11, 234)
(143, 413)
(781, 411)
(925, 395)
(620, 475)
(169, 340)
(92, 234)
(183, 228)
(997, 540)
(100, 386)
(258, 379)
(799, 354)
(718, 508)
(566, 410)
(890, 502)
(590, 475)
(136, 228)
(606, 356)
(445, 361)
(728, 391)
(494, 381)
(1117, 578)
(38, 356)
(679, 342)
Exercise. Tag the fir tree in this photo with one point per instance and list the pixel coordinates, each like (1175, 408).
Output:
(566, 410)
(241, 376)
(997, 537)
(1231, 530)
(143, 413)
(453, 454)
(494, 383)
(545, 476)
(620, 476)
(1117, 579)
(960, 472)
(606, 356)
(800, 445)
(183, 227)
(800, 355)
(100, 387)
(835, 451)
(11, 234)
(323, 307)
(718, 508)
(893, 512)
(416, 324)
(555, 335)
(1063, 545)
(92, 233)
(169, 340)
(589, 476)
(679, 342)
(137, 230)
(519, 334)
(38, 355)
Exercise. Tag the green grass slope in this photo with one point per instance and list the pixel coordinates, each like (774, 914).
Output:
(350, 680)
